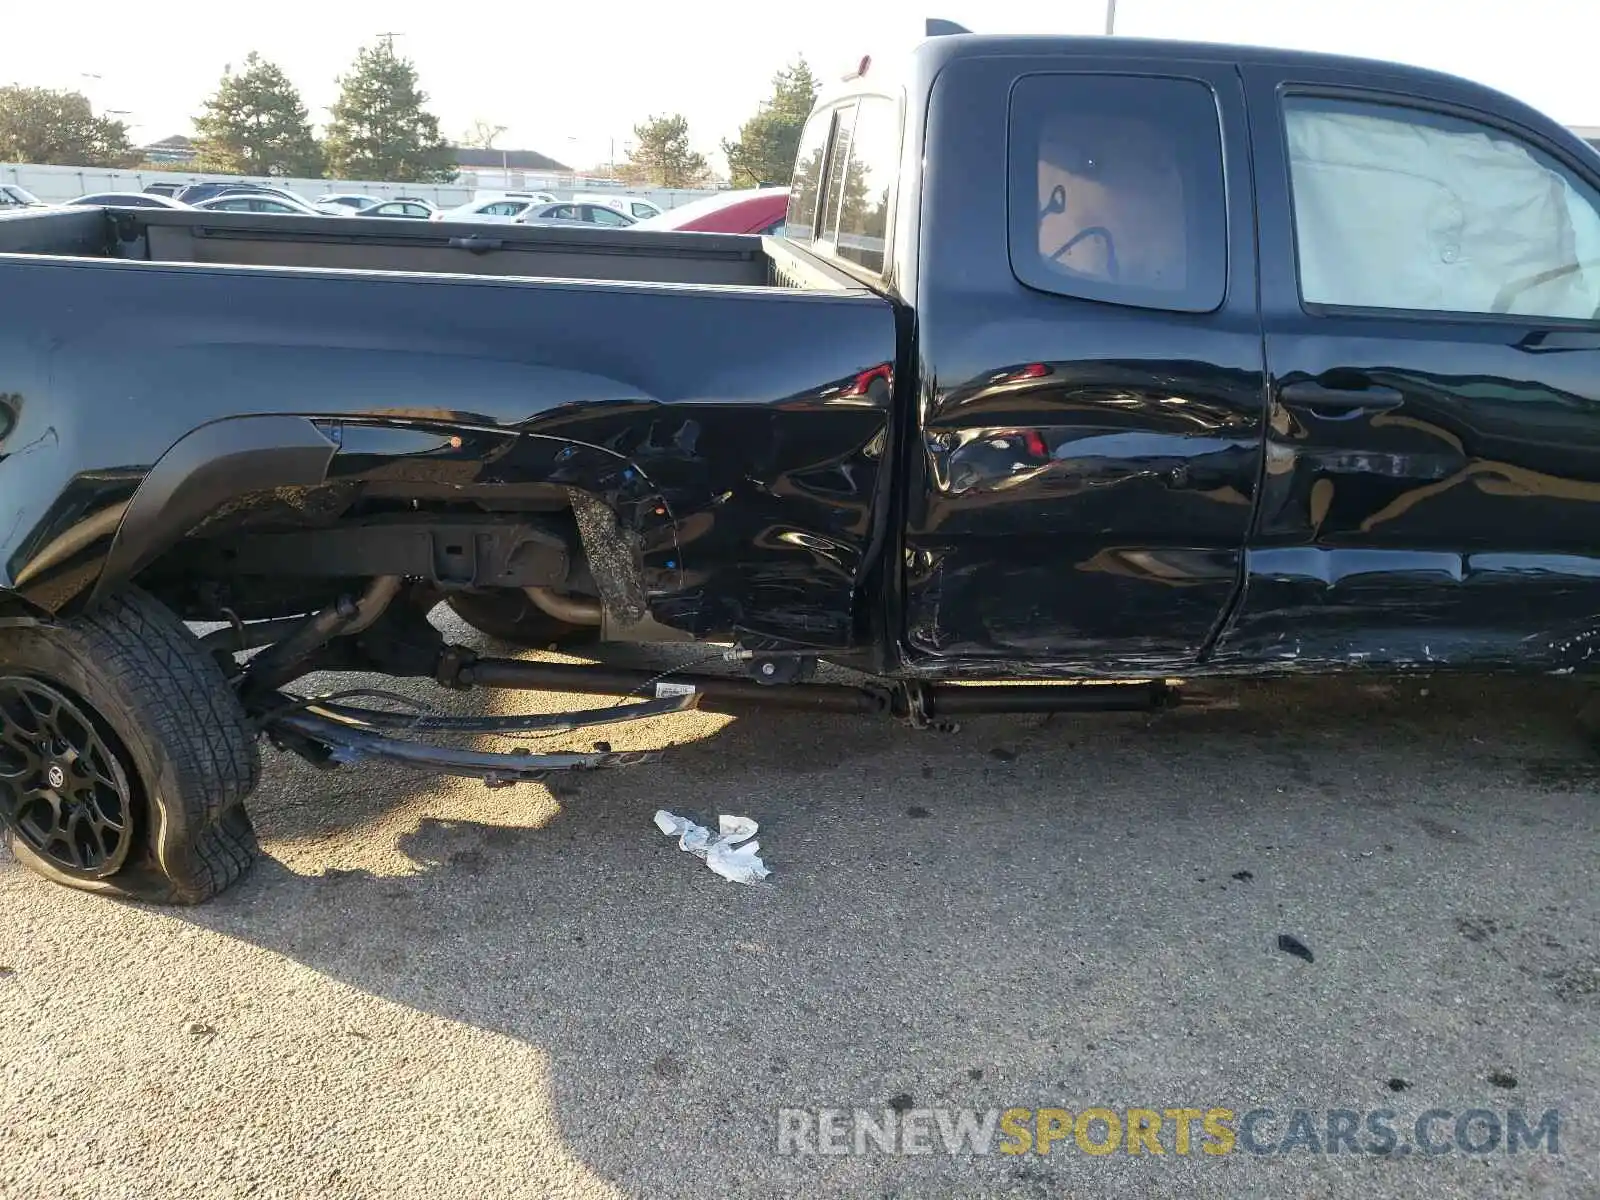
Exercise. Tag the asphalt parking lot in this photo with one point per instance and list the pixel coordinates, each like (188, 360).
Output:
(427, 988)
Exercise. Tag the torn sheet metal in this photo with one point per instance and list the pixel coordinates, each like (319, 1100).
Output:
(730, 853)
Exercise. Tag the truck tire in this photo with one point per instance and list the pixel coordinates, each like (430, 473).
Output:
(507, 615)
(125, 758)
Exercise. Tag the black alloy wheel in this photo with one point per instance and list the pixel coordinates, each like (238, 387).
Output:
(63, 789)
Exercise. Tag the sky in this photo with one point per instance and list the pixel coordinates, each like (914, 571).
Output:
(571, 80)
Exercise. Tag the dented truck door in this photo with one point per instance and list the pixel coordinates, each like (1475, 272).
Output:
(1088, 436)
(1430, 283)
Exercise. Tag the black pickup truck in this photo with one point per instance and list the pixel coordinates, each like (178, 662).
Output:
(1078, 360)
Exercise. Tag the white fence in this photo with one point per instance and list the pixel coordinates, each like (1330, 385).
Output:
(57, 184)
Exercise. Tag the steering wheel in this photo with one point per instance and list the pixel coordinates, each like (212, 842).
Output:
(1058, 204)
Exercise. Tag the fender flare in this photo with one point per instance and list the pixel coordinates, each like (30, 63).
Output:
(224, 459)
(201, 471)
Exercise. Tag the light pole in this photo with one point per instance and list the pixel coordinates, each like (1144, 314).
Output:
(1111, 17)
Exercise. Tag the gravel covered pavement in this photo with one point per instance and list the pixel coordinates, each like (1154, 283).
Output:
(429, 989)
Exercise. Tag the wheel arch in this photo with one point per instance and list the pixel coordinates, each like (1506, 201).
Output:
(611, 497)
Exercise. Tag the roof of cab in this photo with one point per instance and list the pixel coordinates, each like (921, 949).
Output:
(929, 56)
(942, 49)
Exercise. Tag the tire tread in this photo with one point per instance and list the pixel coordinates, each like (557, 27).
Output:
(207, 761)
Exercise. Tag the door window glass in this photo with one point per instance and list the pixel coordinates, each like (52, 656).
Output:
(1399, 208)
(1117, 190)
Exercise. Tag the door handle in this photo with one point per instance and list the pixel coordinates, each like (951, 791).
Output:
(1321, 397)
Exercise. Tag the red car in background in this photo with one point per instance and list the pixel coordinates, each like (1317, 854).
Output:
(748, 210)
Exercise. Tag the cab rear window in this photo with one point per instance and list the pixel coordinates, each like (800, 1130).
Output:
(838, 162)
(806, 186)
(858, 226)
(843, 185)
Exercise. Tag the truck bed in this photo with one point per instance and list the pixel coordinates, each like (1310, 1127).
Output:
(417, 247)
(739, 389)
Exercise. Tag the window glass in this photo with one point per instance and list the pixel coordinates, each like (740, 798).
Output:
(868, 178)
(838, 160)
(807, 181)
(607, 216)
(642, 210)
(1117, 190)
(1404, 209)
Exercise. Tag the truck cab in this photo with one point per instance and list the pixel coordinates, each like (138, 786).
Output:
(1223, 358)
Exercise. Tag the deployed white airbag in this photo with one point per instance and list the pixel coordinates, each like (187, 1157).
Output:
(1393, 213)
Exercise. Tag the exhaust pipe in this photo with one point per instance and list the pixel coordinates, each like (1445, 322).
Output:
(574, 610)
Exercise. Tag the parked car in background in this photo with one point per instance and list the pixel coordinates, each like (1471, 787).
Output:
(567, 212)
(747, 210)
(633, 206)
(166, 189)
(500, 209)
(416, 210)
(12, 196)
(260, 202)
(129, 200)
(345, 203)
(196, 192)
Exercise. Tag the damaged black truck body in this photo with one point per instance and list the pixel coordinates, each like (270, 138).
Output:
(1078, 361)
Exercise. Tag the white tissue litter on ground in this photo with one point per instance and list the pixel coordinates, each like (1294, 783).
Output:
(730, 853)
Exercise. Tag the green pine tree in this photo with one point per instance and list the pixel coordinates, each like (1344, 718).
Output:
(380, 129)
(255, 124)
(662, 156)
(767, 142)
